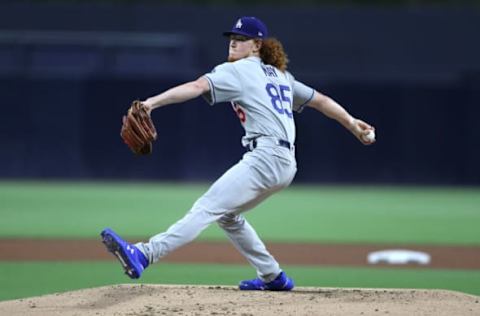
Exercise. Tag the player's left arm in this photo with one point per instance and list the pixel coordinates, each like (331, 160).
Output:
(333, 110)
(178, 94)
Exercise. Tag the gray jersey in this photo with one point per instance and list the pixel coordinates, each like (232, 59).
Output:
(263, 97)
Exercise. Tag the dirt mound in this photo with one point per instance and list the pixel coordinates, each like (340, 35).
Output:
(144, 300)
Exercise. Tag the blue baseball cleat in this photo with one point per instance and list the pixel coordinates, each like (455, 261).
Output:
(281, 283)
(133, 260)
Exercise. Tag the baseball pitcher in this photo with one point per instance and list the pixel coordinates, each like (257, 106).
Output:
(264, 95)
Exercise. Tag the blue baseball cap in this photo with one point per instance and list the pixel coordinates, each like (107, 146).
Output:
(249, 26)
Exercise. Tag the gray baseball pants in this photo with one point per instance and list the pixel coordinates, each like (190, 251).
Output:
(261, 172)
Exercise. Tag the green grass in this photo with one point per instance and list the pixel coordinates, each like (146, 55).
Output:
(25, 279)
(350, 214)
(416, 215)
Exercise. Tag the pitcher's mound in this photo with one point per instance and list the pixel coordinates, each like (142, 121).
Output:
(144, 300)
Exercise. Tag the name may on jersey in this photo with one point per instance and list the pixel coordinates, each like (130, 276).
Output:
(278, 96)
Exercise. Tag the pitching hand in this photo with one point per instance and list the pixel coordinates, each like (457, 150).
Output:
(361, 129)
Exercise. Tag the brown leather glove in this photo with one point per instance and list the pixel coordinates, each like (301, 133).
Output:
(138, 131)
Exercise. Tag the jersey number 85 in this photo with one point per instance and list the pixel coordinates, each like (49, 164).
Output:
(278, 97)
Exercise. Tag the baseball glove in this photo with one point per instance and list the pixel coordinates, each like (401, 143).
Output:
(138, 131)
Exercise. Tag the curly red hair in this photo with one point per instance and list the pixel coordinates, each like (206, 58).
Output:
(272, 53)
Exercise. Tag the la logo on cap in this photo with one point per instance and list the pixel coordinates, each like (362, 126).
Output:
(239, 24)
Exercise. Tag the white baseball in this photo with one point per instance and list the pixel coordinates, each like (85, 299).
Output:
(370, 137)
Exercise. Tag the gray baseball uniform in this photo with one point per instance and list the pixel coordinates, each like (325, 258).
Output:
(263, 98)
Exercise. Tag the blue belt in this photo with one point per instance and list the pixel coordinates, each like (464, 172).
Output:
(280, 142)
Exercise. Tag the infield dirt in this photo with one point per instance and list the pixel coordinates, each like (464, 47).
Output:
(144, 300)
(442, 257)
